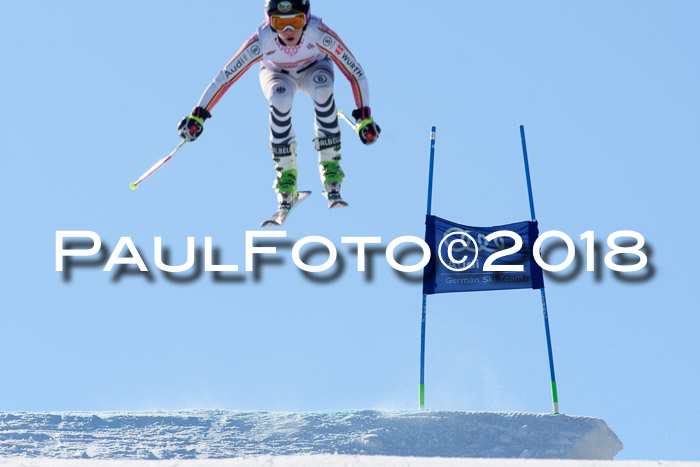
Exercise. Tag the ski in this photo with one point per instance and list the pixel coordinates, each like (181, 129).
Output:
(334, 200)
(281, 214)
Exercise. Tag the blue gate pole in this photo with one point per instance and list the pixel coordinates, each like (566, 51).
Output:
(433, 133)
(555, 397)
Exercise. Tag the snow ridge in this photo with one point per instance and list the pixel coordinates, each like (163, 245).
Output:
(212, 434)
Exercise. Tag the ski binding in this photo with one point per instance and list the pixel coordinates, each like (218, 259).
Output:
(334, 200)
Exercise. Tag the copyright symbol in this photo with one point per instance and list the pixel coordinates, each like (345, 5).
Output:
(450, 248)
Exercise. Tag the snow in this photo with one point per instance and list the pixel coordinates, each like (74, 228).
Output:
(331, 460)
(219, 434)
(220, 438)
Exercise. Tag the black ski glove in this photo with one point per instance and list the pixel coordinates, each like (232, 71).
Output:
(192, 126)
(366, 128)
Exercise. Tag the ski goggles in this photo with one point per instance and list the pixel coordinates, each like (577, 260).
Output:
(282, 22)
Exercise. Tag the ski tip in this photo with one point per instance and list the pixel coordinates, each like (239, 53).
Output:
(133, 185)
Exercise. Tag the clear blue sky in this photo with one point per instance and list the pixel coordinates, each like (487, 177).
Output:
(608, 94)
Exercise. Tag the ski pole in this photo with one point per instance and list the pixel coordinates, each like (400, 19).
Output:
(157, 165)
(342, 115)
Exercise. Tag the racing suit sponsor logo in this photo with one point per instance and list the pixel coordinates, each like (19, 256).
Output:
(236, 66)
(327, 142)
(352, 65)
(281, 150)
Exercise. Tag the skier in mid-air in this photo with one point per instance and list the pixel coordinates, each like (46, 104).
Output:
(297, 51)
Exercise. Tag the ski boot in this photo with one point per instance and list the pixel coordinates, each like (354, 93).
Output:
(285, 184)
(329, 166)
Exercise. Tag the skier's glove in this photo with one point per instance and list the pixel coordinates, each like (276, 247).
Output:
(192, 126)
(366, 128)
